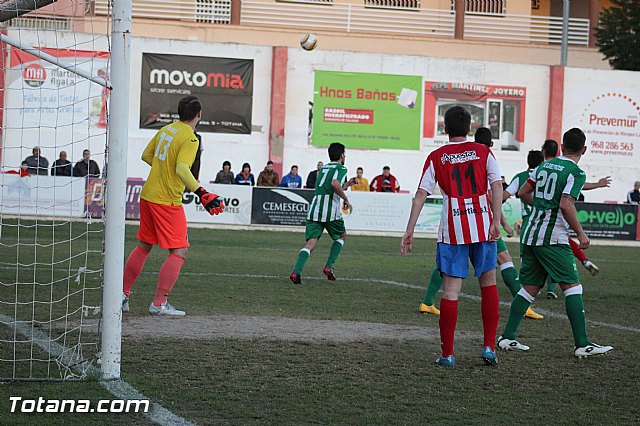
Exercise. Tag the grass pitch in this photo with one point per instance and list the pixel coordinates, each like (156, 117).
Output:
(266, 380)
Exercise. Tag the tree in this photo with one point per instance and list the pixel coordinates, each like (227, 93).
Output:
(619, 34)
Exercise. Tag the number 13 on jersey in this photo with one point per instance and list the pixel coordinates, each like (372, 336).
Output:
(163, 146)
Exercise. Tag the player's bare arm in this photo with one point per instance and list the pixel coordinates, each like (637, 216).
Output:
(526, 193)
(505, 196)
(496, 209)
(604, 182)
(568, 209)
(416, 207)
(508, 229)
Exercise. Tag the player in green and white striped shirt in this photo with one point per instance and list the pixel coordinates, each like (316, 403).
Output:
(325, 212)
(552, 191)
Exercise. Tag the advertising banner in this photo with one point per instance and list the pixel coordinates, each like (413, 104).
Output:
(280, 206)
(371, 111)
(50, 106)
(378, 211)
(94, 198)
(42, 195)
(499, 108)
(237, 202)
(610, 221)
(223, 85)
(606, 106)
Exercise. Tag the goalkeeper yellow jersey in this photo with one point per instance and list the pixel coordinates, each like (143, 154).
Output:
(173, 144)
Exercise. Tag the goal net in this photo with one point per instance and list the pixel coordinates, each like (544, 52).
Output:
(53, 166)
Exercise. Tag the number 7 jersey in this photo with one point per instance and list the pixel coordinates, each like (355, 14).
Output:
(551, 179)
(464, 171)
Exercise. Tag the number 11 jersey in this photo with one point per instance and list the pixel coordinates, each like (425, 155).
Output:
(464, 171)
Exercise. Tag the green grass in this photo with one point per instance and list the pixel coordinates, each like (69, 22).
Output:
(235, 381)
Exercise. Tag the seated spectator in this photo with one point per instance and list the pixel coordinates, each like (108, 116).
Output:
(362, 184)
(22, 171)
(86, 166)
(62, 166)
(633, 196)
(313, 176)
(37, 164)
(386, 182)
(268, 177)
(292, 179)
(245, 177)
(225, 176)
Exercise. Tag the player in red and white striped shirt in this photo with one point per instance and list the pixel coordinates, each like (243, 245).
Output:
(469, 227)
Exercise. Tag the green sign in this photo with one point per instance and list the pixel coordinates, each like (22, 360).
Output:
(370, 111)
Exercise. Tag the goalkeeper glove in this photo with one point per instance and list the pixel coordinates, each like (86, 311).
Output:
(211, 202)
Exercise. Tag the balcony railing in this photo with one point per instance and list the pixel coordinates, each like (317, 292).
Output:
(348, 18)
(214, 11)
(524, 28)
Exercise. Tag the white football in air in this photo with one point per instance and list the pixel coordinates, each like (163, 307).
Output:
(308, 41)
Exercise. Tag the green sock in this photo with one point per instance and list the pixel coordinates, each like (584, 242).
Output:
(510, 278)
(301, 260)
(519, 306)
(435, 282)
(575, 311)
(551, 286)
(336, 248)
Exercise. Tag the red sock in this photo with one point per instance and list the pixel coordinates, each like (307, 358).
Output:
(133, 268)
(490, 308)
(577, 252)
(168, 276)
(448, 320)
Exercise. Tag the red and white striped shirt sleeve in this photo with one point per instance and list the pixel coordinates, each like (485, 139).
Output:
(428, 180)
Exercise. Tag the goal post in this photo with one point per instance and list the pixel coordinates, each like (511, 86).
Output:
(115, 196)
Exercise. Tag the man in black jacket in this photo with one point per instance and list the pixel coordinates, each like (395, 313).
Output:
(62, 166)
(86, 166)
(313, 176)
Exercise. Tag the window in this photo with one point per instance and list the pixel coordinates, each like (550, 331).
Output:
(393, 4)
(213, 11)
(489, 7)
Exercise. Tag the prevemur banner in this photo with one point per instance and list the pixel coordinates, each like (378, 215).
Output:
(370, 111)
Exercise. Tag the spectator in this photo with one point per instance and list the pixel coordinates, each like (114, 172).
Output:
(86, 166)
(292, 180)
(195, 167)
(37, 164)
(313, 176)
(245, 177)
(633, 196)
(62, 166)
(386, 182)
(225, 176)
(268, 177)
(362, 182)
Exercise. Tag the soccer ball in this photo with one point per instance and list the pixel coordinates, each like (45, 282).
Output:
(308, 41)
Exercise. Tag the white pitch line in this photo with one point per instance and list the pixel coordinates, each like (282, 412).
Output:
(412, 286)
(118, 388)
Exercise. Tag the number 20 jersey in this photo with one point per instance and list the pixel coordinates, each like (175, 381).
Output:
(464, 171)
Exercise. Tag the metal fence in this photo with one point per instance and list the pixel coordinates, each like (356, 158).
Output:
(213, 11)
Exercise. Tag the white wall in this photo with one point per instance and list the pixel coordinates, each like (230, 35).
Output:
(218, 147)
(406, 165)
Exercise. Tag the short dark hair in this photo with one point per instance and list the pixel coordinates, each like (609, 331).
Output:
(534, 158)
(550, 148)
(246, 165)
(457, 121)
(386, 168)
(573, 140)
(269, 162)
(226, 163)
(294, 167)
(336, 150)
(483, 136)
(359, 168)
(188, 108)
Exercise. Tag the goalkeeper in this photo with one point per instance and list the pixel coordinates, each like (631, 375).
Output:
(170, 154)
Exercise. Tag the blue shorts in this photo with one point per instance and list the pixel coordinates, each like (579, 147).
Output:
(453, 260)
